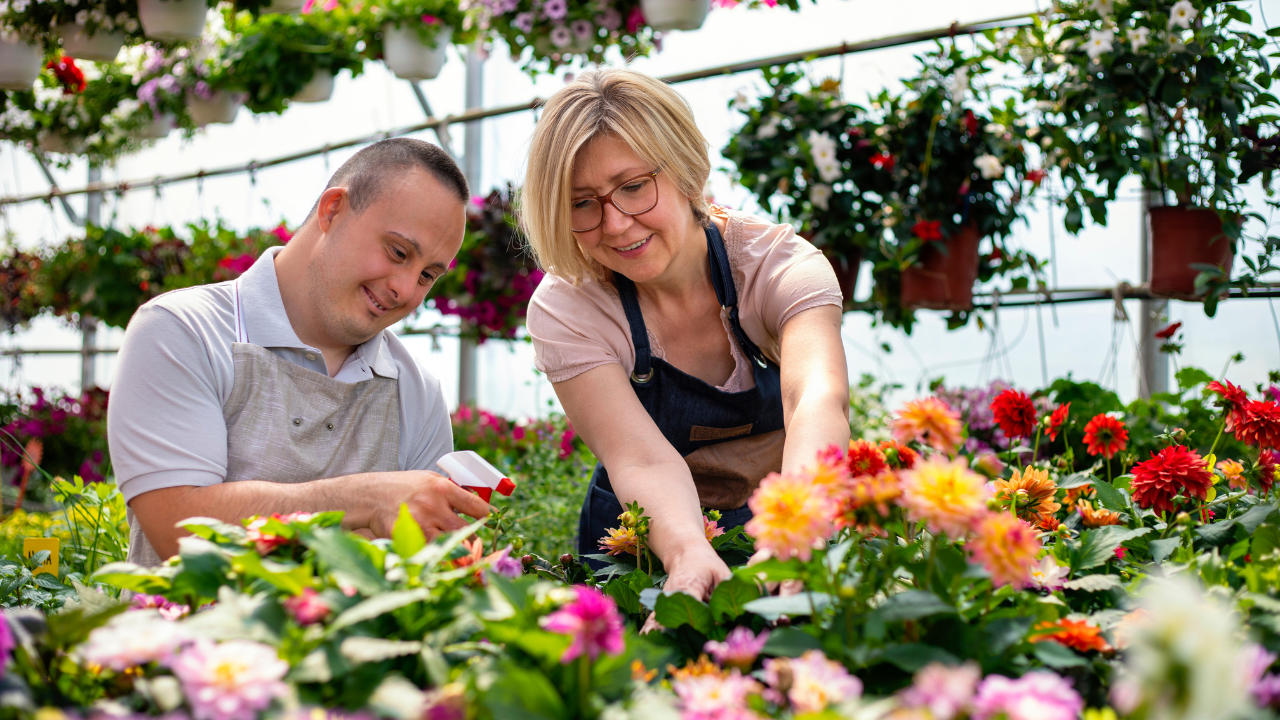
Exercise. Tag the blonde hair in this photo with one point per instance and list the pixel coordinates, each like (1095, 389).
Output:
(651, 118)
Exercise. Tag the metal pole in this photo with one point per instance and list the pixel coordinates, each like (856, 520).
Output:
(468, 366)
(1153, 365)
(88, 324)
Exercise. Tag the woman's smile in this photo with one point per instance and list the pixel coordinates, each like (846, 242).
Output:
(634, 249)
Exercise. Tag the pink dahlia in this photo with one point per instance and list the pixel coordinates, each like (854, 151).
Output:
(134, 639)
(1038, 695)
(712, 695)
(1007, 547)
(234, 680)
(816, 682)
(739, 649)
(307, 608)
(944, 691)
(592, 621)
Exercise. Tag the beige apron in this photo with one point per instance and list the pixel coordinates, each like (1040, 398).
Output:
(289, 424)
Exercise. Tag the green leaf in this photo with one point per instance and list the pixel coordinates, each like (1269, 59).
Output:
(407, 537)
(132, 577)
(291, 579)
(359, 649)
(204, 567)
(680, 608)
(1075, 480)
(213, 529)
(912, 605)
(628, 600)
(913, 656)
(1098, 546)
(789, 642)
(1110, 497)
(1056, 655)
(730, 598)
(1161, 549)
(1266, 540)
(378, 605)
(773, 607)
(341, 554)
(523, 693)
(1255, 516)
(1189, 377)
(1004, 633)
(771, 570)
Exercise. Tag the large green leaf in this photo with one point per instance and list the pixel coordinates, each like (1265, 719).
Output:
(1162, 548)
(912, 605)
(523, 693)
(628, 600)
(679, 608)
(1056, 655)
(773, 607)
(913, 656)
(203, 570)
(378, 605)
(730, 598)
(1266, 540)
(343, 557)
(1004, 633)
(288, 578)
(1075, 480)
(359, 649)
(1098, 546)
(1109, 497)
(407, 537)
(789, 642)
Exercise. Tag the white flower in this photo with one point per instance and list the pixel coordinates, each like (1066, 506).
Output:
(989, 166)
(741, 102)
(1181, 14)
(1103, 7)
(770, 127)
(1100, 41)
(819, 194)
(1049, 575)
(1139, 37)
(958, 83)
(829, 171)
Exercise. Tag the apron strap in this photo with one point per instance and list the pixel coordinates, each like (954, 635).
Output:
(241, 334)
(639, 333)
(727, 293)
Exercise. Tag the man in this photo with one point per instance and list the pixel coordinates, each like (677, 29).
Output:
(285, 390)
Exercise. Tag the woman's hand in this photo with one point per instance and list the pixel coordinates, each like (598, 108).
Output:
(696, 572)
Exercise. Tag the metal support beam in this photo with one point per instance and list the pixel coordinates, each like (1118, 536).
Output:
(1153, 365)
(53, 185)
(442, 130)
(468, 362)
(89, 325)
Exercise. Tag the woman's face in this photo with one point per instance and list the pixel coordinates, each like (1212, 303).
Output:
(642, 247)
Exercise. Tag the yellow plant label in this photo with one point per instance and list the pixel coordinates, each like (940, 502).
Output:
(33, 545)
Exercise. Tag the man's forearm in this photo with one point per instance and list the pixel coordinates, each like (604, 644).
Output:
(159, 511)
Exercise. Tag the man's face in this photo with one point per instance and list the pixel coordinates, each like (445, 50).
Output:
(375, 268)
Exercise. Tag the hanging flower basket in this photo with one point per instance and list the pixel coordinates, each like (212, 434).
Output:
(943, 280)
(675, 14)
(284, 7)
(158, 128)
(1182, 237)
(19, 64)
(220, 107)
(409, 57)
(56, 142)
(98, 47)
(172, 19)
(318, 89)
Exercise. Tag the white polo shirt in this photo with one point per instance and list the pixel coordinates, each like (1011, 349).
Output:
(175, 372)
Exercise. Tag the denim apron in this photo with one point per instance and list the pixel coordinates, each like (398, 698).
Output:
(707, 426)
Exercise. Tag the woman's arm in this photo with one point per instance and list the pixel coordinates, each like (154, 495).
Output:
(645, 468)
(815, 386)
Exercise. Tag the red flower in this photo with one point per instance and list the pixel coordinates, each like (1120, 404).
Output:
(1105, 436)
(899, 456)
(1036, 176)
(1265, 470)
(928, 230)
(883, 161)
(970, 123)
(1014, 413)
(864, 458)
(1233, 401)
(1173, 471)
(1258, 423)
(1057, 420)
(1169, 332)
(69, 76)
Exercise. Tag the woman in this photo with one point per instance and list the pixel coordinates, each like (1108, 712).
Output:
(696, 350)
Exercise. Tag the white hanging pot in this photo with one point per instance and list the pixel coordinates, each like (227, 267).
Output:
(283, 7)
(408, 57)
(157, 129)
(675, 14)
(19, 64)
(56, 142)
(221, 108)
(318, 89)
(99, 47)
(172, 19)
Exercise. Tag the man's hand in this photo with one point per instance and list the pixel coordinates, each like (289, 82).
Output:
(433, 500)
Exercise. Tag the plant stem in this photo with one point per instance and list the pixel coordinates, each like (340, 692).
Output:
(1109, 480)
(584, 686)
(1218, 437)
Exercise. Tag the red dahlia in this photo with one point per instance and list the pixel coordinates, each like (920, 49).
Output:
(1233, 400)
(1265, 471)
(1057, 420)
(864, 458)
(1173, 471)
(1105, 436)
(1014, 413)
(1259, 424)
(899, 456)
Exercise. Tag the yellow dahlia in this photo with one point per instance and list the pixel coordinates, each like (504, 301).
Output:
(621, 540)
(791, 514)
(946, 494)
(1007, 547)
(1031, 492)
(930, 421)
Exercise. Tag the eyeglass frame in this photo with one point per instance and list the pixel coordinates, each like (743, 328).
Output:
(608, 198)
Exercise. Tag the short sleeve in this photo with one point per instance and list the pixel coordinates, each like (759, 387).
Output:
(576, 329)
(434, 430)
(792, 275)
(164, 422)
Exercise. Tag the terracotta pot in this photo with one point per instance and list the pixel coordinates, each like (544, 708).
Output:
(675, 14)
(1181, 237)
(944, 280)
(408, 57)
(846, 268)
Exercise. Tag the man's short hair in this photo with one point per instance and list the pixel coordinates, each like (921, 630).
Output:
(365, 174)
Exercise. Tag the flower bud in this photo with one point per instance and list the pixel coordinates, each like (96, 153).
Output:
(527, 561)
(517, 544)
(628, 519)
(566, 559)
(1184, 519)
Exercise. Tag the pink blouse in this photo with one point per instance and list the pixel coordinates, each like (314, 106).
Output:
(777, 274)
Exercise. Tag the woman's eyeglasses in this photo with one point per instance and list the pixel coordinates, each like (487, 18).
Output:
(636, 196)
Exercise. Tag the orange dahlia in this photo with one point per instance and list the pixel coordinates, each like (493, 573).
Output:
(929, 421)
(711, 528)
(1233, 473)
(621, 540)
(899, 456)
(1057, 420)
(1259, 424)
(1014, 413)
(864, 458)
(1075, 634)
(1175, 470)
(1031, 493)
(1105, 436)
(1007, 547)
(1091, 518)
(866, 500)
(1077, 494)
(791, 514)
(946, 495)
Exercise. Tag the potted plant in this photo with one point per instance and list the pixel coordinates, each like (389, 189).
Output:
(278, 58)
(546, 35)
(208, 87)
(19, 62)
(802, 152)
(86, 29)
(493, 278)
(1174, 94)
(958, 162)
(19, 299)
(415, 33)
(173, 19)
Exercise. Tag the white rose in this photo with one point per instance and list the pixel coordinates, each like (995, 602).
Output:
(989, 166)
